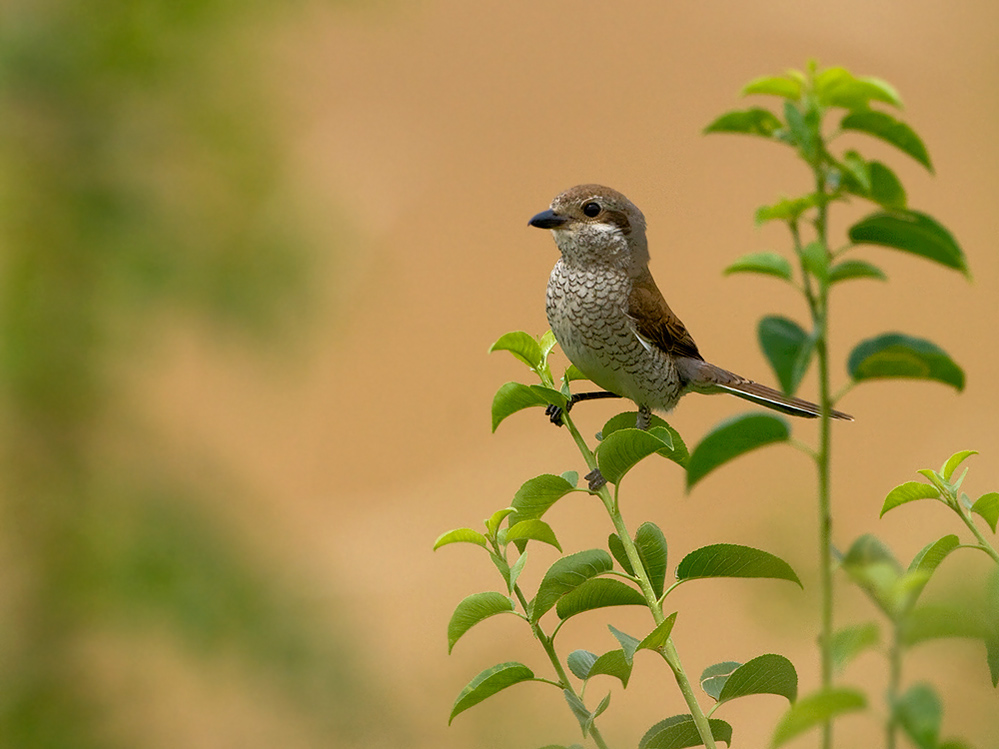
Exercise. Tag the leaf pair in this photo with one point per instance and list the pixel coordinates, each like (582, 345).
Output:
(572, 585)
(942, 488)
(895, 591)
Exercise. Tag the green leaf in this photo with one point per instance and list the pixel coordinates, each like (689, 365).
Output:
(514, 396)
(546, 343)
(658, 637)
(776, 85)
(613, 663)
(753, 121)
(460, 536)
(885, 187)
(849, 269)
(579, 709)
(837, 87)
(767, 263)
(765, 674)
(535, 530)
(628, 643)
(816, 260)
(567, 574)
(919, 713)
(869, 549)
(954, 461)
(733, 438)
(488, 683)
(804, 128)
(597, 593)
(535, 496)
(677, 452)
(651, 546)
(515, 569)
(504, 570)
(849, 642)
(713, 678)
(652, 550)
(940, 621)
(604, 704)
(987, 506)
(895, 355)
(788, 348)
(617, 549)
(583, 715)
(680, 731)
(855, 174)
(816, 709)
(928, 559)
(620, 451)
(912, 232)
(492, 523)
(522, 345)
(935, 479)
(872, 566)
(885, 127)
(472, 610)
(574, 373)
(787, 209)
(873, 181)
(910, 491)
(580, 662)
(931, 555)
(731, 560)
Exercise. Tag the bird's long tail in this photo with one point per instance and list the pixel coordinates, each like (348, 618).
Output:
(707, 378)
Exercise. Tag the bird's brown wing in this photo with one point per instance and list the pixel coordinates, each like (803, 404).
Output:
(655, 322)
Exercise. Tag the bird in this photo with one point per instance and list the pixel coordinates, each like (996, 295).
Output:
(612, 322)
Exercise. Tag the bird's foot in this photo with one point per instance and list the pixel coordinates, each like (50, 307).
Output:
(595, 479)
(554, 413)
(644, 418)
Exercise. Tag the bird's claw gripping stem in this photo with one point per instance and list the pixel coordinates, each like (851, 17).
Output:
(644, 418)
(554, 413)
(595, 480)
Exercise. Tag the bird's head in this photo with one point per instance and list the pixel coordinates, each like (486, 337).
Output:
(595, 225)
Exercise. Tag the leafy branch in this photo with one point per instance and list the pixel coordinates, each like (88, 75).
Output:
(808, 100)
(632, 571)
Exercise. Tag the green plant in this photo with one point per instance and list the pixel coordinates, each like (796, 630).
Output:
(818, 264)
(588, 580)
(896, 593)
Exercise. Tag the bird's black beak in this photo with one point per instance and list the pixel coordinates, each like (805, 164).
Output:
(548, 220)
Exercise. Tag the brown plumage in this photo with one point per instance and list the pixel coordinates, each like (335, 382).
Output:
(612, 321)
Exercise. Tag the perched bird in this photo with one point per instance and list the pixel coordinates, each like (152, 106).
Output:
(611, 320)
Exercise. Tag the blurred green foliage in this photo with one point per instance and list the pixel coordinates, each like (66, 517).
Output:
(137, 178)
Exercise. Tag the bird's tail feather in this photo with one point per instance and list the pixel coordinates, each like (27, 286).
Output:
(707, 378)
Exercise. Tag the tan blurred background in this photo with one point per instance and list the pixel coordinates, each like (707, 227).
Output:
(408, 145)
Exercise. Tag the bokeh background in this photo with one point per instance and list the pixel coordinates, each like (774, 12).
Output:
(253, 256)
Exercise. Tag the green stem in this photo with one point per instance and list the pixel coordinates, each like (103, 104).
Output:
(668, 650)
(894, 682)
(983, 542)
(548, 644)
(820, 320)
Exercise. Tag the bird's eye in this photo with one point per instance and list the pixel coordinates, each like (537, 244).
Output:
(591, 209)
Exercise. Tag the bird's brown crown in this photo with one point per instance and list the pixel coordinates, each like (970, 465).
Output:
(597, 204)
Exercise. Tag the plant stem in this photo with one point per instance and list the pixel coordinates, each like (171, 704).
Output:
(549, 648)
(983, 542)
(819, 304)
(894, 682)
(668, 650)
